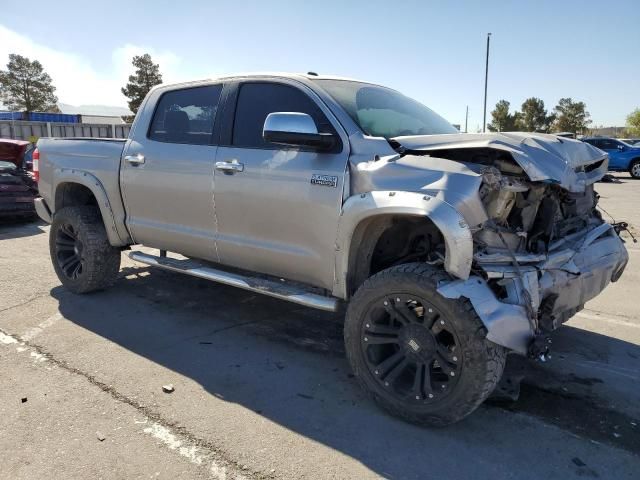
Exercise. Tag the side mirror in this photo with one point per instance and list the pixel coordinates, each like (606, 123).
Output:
(296, 130)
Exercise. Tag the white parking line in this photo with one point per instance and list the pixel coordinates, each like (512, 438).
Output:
(35, 331)
(603, 318)
(196, 455)
(7, 339)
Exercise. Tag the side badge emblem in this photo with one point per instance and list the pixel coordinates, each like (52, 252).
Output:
(324, 180)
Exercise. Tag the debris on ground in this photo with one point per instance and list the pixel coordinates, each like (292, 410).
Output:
(578, 462)
(23, 399)
(169, 388)
(608, 178)
(100, 436)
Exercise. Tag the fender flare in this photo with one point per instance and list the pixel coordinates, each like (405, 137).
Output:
(90, 181)
(455, 231)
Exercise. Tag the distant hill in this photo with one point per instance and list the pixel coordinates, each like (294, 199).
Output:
(100, 110)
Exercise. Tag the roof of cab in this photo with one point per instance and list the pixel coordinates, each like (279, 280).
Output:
(295, 76)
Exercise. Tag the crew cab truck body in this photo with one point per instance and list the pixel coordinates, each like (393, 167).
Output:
(451, 249)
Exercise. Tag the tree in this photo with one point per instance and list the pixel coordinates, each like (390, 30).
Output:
(571, 116)
(502, 120)
(633, 123)
(533, 117)
(24, 86)
(147, 76)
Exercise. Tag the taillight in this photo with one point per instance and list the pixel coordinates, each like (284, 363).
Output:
(36, 165)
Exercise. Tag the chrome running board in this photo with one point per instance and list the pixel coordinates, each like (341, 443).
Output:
(268, 287)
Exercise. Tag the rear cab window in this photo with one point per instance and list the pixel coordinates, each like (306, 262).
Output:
(256, 100)
(186, 116)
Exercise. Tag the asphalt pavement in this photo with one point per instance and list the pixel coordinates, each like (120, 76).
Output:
(261, 387)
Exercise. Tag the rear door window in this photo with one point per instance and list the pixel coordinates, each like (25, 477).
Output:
(186, 116)
(257, 100)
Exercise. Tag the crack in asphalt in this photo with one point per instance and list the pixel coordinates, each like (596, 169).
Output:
(21, 304)
(238, 470)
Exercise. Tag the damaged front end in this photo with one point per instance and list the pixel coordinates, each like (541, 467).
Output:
(543, 252)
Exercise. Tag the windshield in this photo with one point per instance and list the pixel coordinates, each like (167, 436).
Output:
(382, 112)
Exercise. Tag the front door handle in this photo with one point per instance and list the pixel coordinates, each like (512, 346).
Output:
(230, 167)
(134, 159)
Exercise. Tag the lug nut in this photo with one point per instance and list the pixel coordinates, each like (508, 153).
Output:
(366, 339)
(455, 359)
(417, 397)
(431, 395)
(441, 322)
(453, 374)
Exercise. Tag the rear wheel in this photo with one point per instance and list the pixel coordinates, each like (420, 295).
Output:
(634, 168)
(81, 254)
(421, 357)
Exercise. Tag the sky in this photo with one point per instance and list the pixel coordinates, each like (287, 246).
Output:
(433, 51)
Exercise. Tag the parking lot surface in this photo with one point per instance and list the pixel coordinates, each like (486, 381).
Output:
(261, 388)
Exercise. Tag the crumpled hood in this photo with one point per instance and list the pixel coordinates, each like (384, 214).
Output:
(570, 163)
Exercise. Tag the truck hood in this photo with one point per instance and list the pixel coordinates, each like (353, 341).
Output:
(572, 164)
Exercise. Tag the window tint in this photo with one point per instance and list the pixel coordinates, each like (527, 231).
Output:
(608, 144)
(186, 116)
(257, 100)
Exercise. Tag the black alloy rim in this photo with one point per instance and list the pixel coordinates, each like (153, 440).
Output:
(69, 251)
(411, 349)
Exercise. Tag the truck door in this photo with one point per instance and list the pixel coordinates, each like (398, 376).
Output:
(167, 171)
(617, 160)
(271, 217)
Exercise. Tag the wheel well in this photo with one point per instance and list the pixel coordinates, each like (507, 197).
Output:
(73, 195)
(387, 240)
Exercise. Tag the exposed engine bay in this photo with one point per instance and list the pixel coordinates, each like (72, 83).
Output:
(540, 247)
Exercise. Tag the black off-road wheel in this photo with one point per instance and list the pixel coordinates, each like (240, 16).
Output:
(422, 357)
(81, 254)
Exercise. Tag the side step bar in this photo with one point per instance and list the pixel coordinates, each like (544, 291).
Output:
(260, 285)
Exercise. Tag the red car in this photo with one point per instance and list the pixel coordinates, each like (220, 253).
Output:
(17, 186)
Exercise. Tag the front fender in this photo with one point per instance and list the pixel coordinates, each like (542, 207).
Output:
(116, 230)
(455, 231)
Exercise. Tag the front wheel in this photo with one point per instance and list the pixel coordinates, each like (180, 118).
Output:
(421, 356)
(634, 168)
(80, 251)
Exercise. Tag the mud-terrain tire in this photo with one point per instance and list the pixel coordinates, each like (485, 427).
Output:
(448, 366)
(80, 252)
(634, 168)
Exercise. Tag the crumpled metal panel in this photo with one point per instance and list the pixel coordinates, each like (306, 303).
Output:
(447, 180)
(575, 275)
(543, 157)
(506, 324)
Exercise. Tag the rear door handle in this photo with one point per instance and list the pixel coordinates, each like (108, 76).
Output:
(134, 159)
(230, 167)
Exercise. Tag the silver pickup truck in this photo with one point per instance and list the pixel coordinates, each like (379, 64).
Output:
(451, 249)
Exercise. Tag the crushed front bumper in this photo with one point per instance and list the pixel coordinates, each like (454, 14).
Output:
(557, 285)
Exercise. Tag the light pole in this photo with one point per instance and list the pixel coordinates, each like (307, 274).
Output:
(486, 78)
(466, 119)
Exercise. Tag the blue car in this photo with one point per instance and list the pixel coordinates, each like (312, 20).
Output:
(623, 157)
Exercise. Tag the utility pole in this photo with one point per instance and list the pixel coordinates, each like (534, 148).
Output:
(486, 78)
(466, 119)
